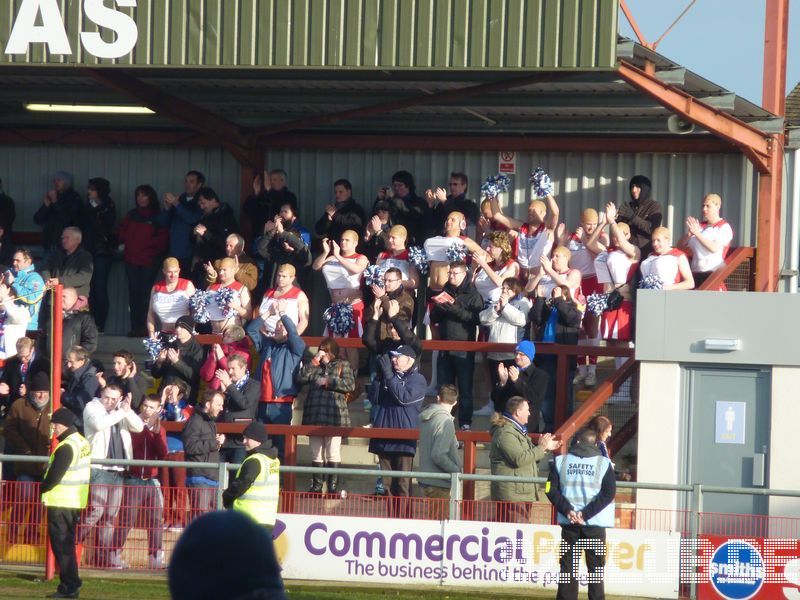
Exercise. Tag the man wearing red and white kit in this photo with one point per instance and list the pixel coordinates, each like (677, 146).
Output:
(240, 303)
(396, 255)
(582, 258)
(343, 269)
(668, 263)
(296, 301)
(708, 241)
(534, 238)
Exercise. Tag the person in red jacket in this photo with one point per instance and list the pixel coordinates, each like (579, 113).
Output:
(145, 243)
(142, 499)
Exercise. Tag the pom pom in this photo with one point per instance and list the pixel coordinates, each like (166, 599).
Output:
(541, 184)
(419, 258)
(495, 185)
(373, 275)
(597, 303)
(456, 251)
(224, 299)
(199, 306)
(339, 318)
(154, 346)
(651, 282)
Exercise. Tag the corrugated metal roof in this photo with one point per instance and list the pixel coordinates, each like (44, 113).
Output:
(475, 34)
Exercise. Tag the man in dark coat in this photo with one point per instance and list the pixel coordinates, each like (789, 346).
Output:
(19, 369)
(71, 265)
(211, 232)
(181, 214)
(82, 386)
(456, 311)
(269, 194)
(401, 394)
(441, 204)
(405, 207)
(344, 214)
(522, 379)
(242, 394)
(61, 207)
(201, 443)
(78, 326)
(181, 363)
(641, 213)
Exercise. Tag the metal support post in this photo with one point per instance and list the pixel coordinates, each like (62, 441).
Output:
(455, 497)
(222, 483)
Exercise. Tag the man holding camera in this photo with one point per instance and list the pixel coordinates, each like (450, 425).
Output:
(108, 422)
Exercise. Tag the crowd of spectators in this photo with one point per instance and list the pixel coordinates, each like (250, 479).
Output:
(438, 265)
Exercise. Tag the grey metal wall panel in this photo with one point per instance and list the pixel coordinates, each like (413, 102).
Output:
(701, 316)
(581, 179)
(498, 34)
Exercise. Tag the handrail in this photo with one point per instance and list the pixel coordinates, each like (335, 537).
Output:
(732, 262)
(623, 434)
(603, 392)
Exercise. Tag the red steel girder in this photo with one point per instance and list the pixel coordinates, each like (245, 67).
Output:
(768, 232)
(776, 31)
(755, 144)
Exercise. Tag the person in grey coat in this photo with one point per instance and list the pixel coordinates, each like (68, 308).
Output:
(438, 448)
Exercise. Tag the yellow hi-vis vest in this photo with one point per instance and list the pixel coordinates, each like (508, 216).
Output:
(260, 501)
(73, 489)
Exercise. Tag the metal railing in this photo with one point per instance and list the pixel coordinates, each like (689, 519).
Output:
(691, 521)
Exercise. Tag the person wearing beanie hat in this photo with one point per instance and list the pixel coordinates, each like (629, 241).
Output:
(525, 379)
(225, 555)
(642, 214)
(65, 492)
(255, 489)
(98, 224)
(61, 207)
(27, 431)
(182, 362)
(405, 207)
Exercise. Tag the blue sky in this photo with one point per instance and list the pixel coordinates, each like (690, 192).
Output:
(721, 40)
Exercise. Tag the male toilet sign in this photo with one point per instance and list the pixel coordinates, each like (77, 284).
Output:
(507, 163)
(729, 422)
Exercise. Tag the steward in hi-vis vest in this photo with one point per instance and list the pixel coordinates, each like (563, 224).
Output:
(255, 490)
(65, 491)
(581, 486)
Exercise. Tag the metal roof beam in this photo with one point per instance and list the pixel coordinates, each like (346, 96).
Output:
(419, 100)
(174, 108)
(755, 144)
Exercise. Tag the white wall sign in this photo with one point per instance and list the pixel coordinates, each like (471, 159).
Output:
(53, 32)
(507, 162)
(466, 553)
(730, 422)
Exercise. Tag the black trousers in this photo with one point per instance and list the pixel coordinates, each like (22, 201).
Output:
(61, 524)
(593, 540)
(140, 282)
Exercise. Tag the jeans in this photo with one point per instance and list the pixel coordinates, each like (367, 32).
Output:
(568, 580)
(202, 495)
(142, 501)
(458, 368)
(140, 282)
(549, 363)
(277, 413)
(105, 498)
(98, 290)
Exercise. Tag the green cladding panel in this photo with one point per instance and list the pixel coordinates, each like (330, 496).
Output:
(369, 34)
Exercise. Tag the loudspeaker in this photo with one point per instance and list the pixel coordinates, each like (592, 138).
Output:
(676, 124)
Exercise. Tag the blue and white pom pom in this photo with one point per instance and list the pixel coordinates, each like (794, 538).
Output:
(373, 275)
(198, 303)
(540, 183)
(651, 282)
(339, 318)
(597, 303)
(456, 252)
(495, 185)
(419, 258)
(224, 299)
(154, 346)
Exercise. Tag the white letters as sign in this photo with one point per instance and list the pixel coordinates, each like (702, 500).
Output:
(53, 32)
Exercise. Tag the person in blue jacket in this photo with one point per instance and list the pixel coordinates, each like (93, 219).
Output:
(181, 214)
(402, 390)
(281, 353)
(582, 486)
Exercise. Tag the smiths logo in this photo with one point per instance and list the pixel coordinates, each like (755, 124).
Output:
(737, 570)
(53, 33)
